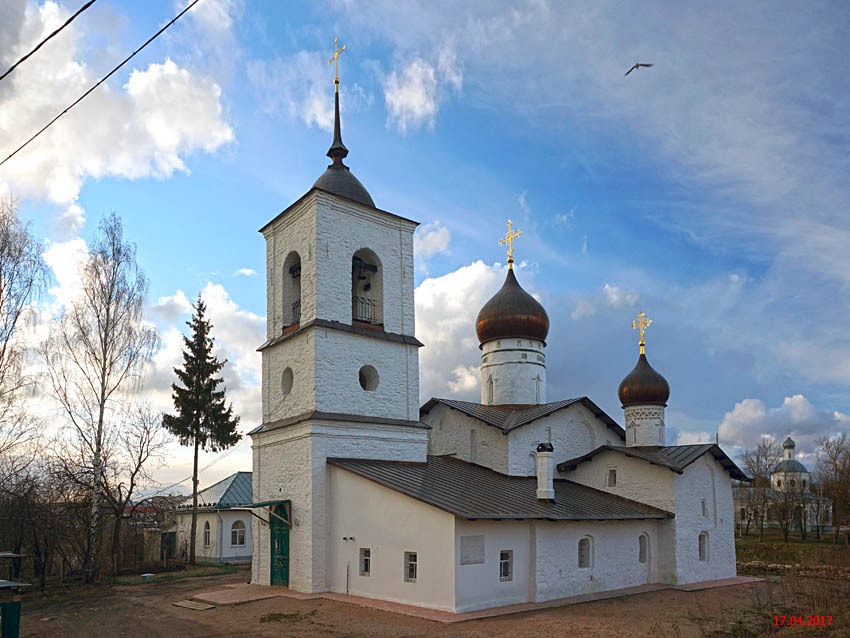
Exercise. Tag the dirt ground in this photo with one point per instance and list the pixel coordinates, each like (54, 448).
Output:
(147, 610)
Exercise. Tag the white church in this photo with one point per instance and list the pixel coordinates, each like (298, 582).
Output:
(452, 505)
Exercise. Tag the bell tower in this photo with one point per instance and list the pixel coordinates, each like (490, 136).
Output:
(340, 364)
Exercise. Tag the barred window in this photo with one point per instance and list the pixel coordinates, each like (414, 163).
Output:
(365, 561)
(410, 567)
(506, 565)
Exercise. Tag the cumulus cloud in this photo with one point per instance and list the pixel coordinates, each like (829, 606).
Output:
(296, 87)
(446, 308)
(245, 272)
(214, 15)
(610, 296)
(751, 420)
(414, 90)
(430, 239)
(147, 127)
(170, 308)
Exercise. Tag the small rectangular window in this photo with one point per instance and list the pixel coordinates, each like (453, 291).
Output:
(704, 508)
(365, 561)
(506, 565)
(703, 546)
(410, 567)
(612, 478)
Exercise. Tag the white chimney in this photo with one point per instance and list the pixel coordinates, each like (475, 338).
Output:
(545, 472)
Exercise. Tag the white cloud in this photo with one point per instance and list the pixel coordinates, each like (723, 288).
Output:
(431, 239)
(65, 260)
(171, 308)
(72, 220)
(610, 296)
(163, 114)
(245, 272)
(214, 15)
(298, 87)
(414, 91)
(751, 420)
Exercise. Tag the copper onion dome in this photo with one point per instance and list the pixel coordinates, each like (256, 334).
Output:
(512, 312)
(643, 386)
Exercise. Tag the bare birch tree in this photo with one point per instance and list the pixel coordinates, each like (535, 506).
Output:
(834, 473)
(96, 353)
(22, 275)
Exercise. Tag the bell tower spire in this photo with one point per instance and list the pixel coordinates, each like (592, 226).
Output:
(337, 152)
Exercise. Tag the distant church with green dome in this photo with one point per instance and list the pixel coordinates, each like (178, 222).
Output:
(789, 480)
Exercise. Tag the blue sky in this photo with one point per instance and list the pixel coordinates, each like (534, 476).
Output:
(710, 191)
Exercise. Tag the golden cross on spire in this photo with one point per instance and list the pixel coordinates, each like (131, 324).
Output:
(509, 241)
(335, 60)
(641, 324)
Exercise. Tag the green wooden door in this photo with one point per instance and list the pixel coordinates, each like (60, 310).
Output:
(280, 548)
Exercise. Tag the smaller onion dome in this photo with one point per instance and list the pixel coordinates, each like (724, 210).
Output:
(512, 313)
(643, 386)
(789, 444)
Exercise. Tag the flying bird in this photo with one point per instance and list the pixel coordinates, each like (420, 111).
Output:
(637, 66)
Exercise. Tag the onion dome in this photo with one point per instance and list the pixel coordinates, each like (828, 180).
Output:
(789, 444)
(788, 466)
(338, 179)
(643, 386)
(512, 313)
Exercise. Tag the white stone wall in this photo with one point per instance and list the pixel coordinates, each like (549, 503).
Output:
(343, 228)
(339, 357)
(290, 463)
(389, 524)
(704, 479)
(469, 439)
(636, 479)
(573, 431)
(298, 354)
(644, 425)
(614, 550)
(220, 548)
(517, 368)
(478, 585)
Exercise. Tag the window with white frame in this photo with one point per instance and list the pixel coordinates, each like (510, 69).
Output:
(207, 534)
(611, 478)
(506, 565)
(703, 546)
(585, 553)
(237, 534)
(365, 561)
(410, 566)
(643, 548)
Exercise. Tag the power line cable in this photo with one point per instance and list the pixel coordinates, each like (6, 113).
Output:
(102, 80)
(67, 22)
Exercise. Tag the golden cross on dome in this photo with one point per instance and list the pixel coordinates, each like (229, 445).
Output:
(335, 60)
(641, 324)
(509, 241)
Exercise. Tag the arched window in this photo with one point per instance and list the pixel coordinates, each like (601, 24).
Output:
(804, 484)
(237, 534)
(367, 287)
(703, 546)
(291, 289)
(489, 390)
(643, 548)
(778, 483)
(792, 482)
(532, 464)
(207, 534)
(585, 553)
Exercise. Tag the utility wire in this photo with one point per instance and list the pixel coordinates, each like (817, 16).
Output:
(67, 22)
(105, 77)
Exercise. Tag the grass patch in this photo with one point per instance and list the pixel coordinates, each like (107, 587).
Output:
(207, 569)
(296, 616)
(808, 553)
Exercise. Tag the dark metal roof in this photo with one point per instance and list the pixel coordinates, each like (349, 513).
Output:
(789, 465)
(673, 457)
(233, 491)
(510, 417)
(512, 313)
(475, 492)
(741, 493)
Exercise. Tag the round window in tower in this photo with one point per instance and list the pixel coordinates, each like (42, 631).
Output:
(286, 381)
(368, 378)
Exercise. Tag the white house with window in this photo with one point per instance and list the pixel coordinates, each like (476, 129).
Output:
(453, 505)
(223, 530)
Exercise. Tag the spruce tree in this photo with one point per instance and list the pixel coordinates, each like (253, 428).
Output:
(202, 419)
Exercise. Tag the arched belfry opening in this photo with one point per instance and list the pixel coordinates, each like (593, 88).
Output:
(367, 287)
(291, 290)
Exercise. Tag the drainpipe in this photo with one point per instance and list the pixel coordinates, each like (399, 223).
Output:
(545, 472)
